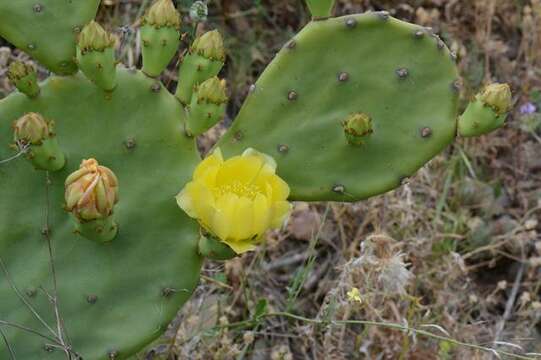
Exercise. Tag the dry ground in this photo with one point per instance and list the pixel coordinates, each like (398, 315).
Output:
(455, 251)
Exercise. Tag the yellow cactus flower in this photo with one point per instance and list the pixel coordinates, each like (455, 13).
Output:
(354, 295)
(237, 200)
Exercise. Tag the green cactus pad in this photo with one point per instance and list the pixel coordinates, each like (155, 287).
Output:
(46, 29)
(398, 74)
(117, 297)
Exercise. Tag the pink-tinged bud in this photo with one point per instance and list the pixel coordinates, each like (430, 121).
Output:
(91, 191)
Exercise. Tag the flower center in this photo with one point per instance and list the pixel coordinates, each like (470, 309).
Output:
(238, 188)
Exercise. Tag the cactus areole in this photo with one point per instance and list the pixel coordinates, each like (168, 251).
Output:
(96, 254)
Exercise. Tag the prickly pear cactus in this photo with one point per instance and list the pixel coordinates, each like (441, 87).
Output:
(95, 255)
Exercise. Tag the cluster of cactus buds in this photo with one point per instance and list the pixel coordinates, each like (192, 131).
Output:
(205, 60)
(34, 131)
(91, 193)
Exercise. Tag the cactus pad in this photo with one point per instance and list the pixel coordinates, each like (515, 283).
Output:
(117, 297)
(398, 74)
(46, 29)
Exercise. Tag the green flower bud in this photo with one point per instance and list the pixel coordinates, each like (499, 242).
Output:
(24, 77)
(498, 97)
(91, 191)
(19, 70)
(212, 90)
(210, 45)
(94, 38)
(357, 128)
(162, 13)
(32, 128)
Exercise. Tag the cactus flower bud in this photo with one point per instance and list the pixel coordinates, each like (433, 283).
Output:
(96, 56)
(357, 128)
(210, 45)
(18, 70)
(24, 77)
(498, 97)
(162, 13)
(487, 112)
(94, 38)
(160, 36)
(32, 128)
(204, 61)
(213, 90)
(207, 107)
(199, 11)
(237, 200)
(91, 191)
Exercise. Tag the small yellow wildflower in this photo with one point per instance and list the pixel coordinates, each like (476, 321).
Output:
(237, 200)
(354, 295)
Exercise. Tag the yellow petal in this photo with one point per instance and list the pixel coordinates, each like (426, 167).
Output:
(266, 159)
(280, 211)
(238, 168)
(243, 220)
(240, 247)
(222, 222)
(280, 189)
(261, 214)
(213, 160)
(209, 176)
(197, 201)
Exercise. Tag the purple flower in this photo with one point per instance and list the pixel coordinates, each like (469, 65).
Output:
(528, 108)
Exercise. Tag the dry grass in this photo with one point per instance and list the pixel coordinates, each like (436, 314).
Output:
(457, 250)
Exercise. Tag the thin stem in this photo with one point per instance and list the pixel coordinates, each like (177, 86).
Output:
(8, 345)
(54, 298)
(29, 330)
(23, 299)
(402, 328)
(23, 149)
